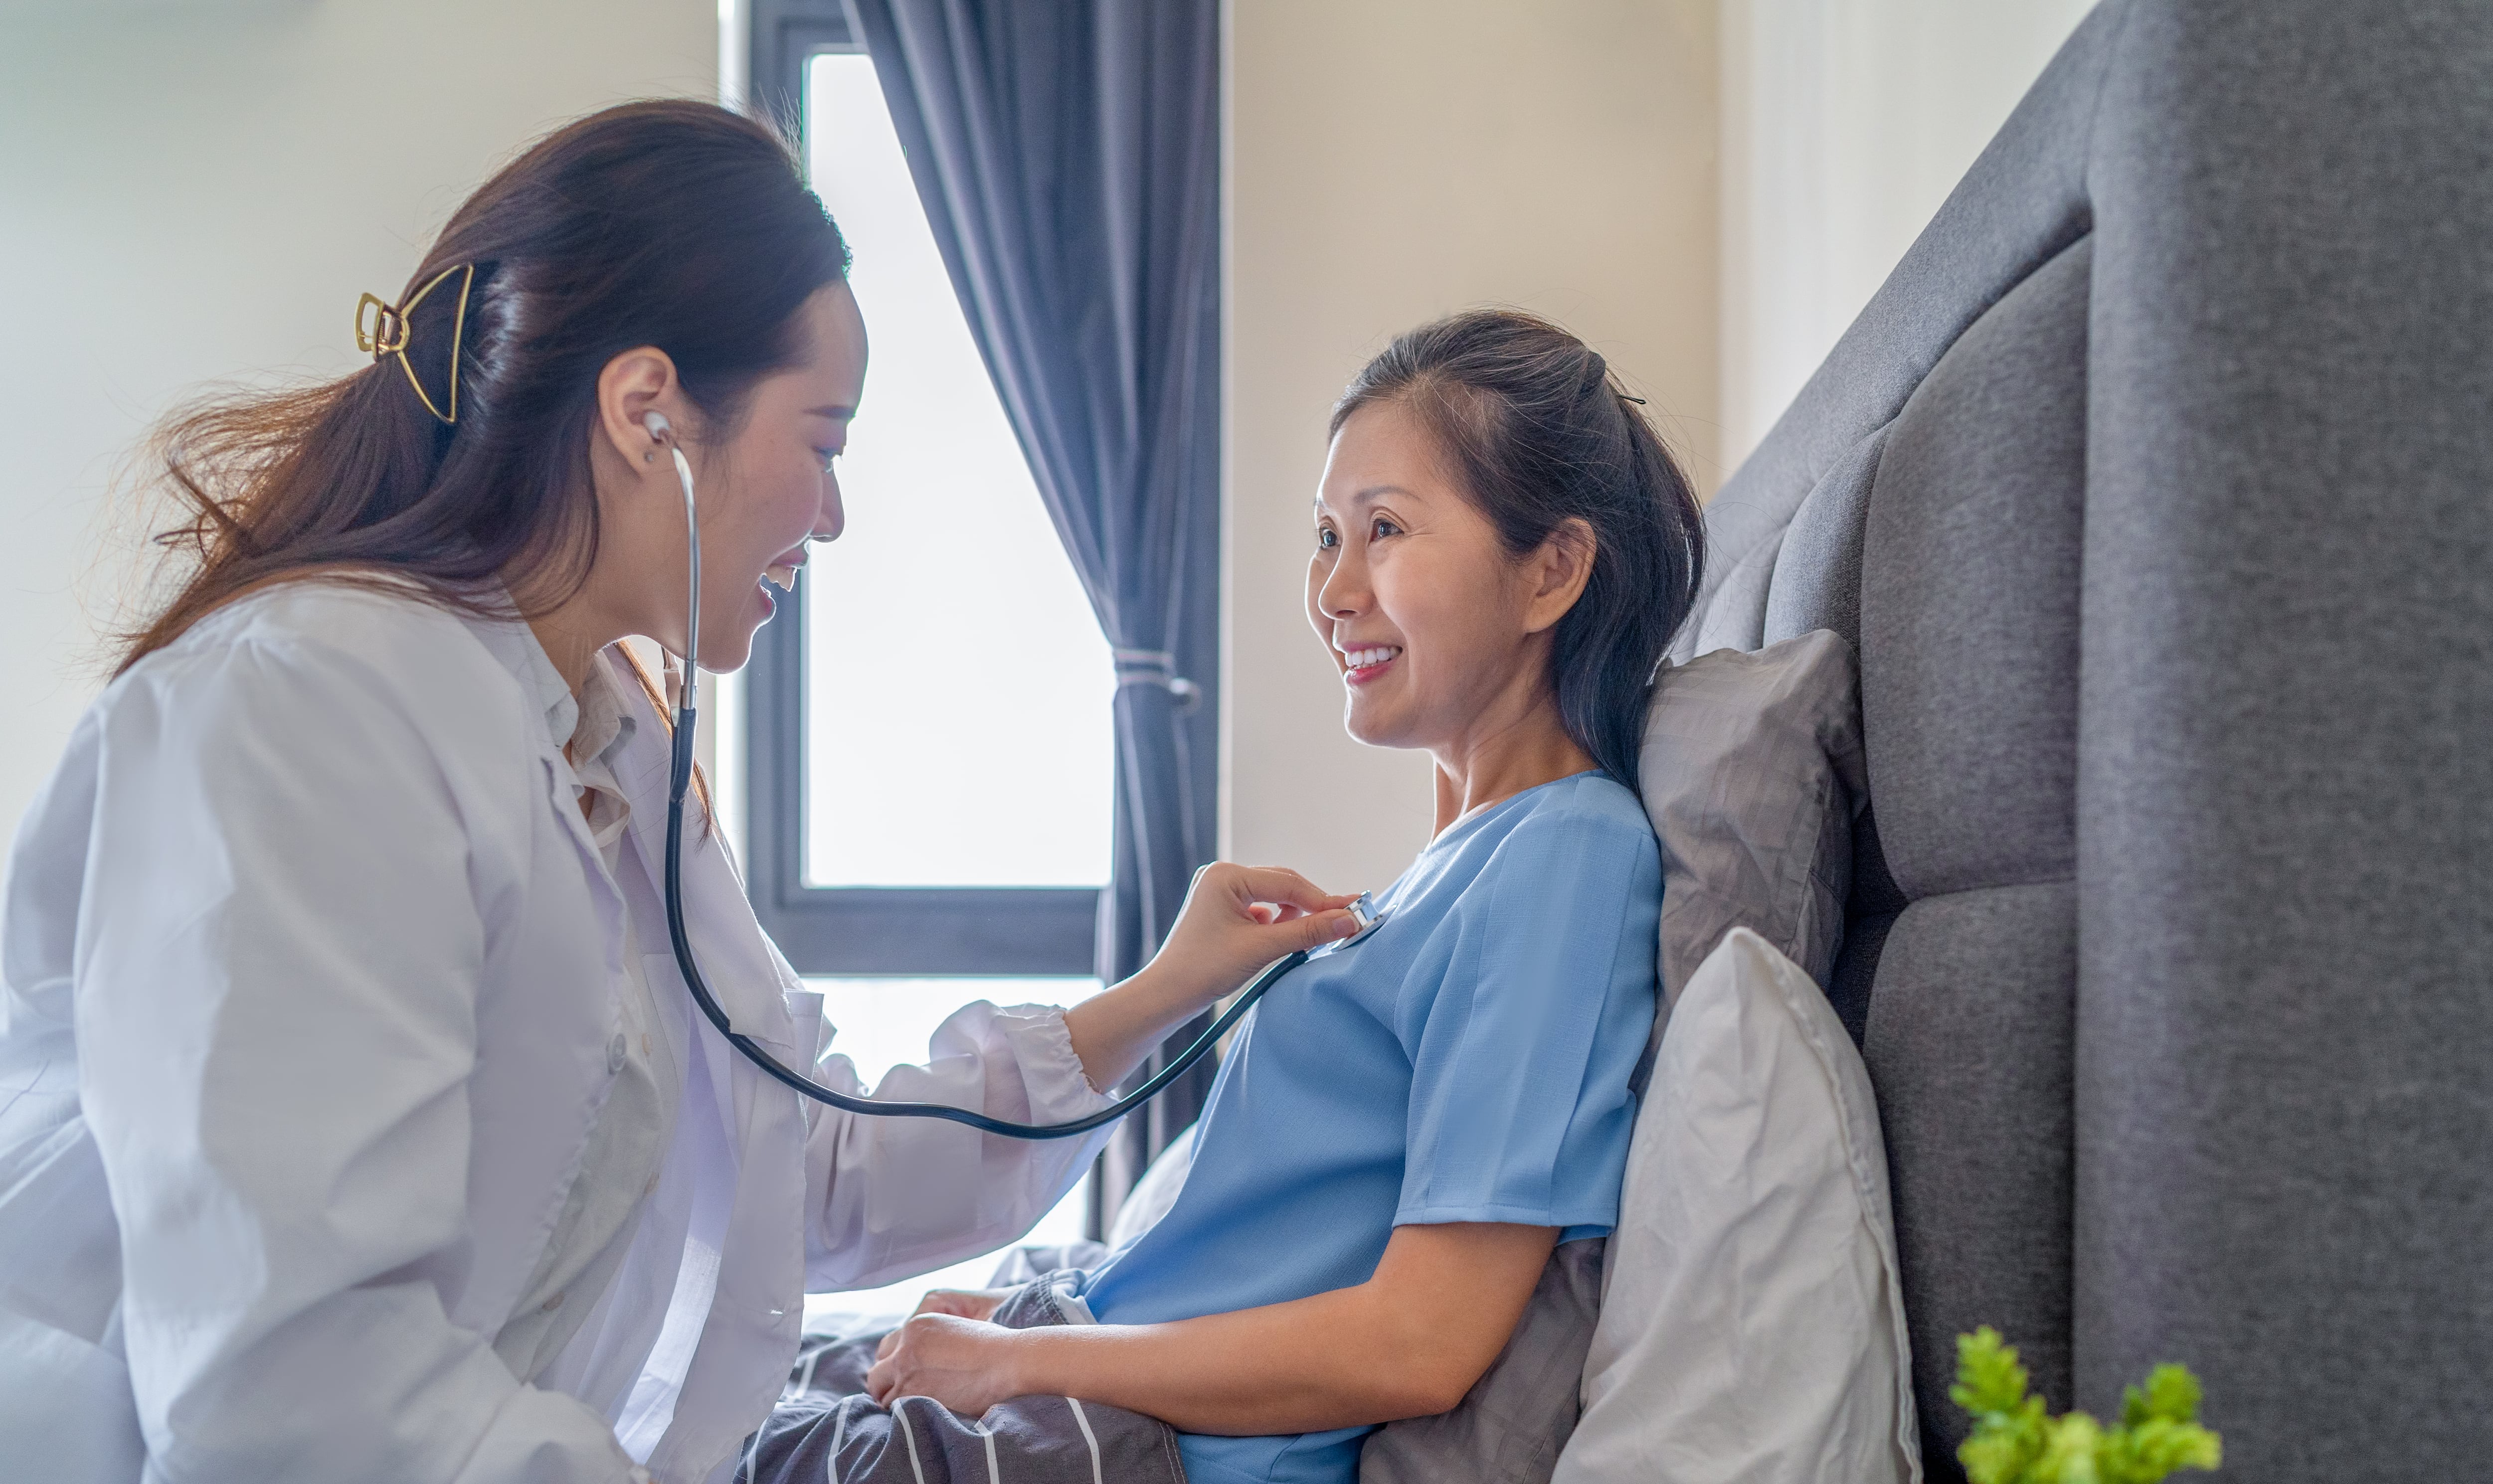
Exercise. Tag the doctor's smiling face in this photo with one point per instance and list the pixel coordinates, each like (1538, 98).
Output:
(1441, 635)
(763, 482)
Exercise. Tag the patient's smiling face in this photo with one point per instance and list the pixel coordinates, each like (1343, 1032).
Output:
(1437, 632)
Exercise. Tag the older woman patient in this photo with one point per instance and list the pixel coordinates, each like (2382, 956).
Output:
(1501, 548)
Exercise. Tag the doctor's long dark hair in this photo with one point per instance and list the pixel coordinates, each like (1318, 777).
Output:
(676, 224)
(1537, 432)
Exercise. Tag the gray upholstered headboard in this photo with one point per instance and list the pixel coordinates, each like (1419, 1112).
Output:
(2156, 490)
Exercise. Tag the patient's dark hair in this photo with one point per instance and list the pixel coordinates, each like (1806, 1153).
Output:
(1537, 432)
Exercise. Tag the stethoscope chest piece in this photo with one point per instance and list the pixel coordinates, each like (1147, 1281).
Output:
(1367, 915)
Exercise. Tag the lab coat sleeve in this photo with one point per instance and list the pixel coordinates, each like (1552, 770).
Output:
(280, 962)
(895, 1197)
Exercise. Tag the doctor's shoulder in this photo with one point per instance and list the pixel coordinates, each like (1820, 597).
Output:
(333, 655)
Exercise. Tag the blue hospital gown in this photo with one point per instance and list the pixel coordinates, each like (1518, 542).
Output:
(1468, 1061)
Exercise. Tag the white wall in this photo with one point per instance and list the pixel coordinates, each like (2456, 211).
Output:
(198, 191)
(1845, 123)
(1390, 161)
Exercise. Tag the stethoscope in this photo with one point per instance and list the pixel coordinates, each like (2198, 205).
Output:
(680, 783)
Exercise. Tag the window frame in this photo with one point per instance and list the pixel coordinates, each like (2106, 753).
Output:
(866, 931)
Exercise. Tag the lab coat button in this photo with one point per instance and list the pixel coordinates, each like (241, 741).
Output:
(554, 1303)
(614, 1054)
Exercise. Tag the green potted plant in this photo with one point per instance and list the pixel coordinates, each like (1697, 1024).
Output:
(2016, 1442)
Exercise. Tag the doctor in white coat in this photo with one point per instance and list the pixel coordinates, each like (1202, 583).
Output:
(354, 1121)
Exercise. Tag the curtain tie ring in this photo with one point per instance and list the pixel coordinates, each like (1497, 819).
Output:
(1156, 666)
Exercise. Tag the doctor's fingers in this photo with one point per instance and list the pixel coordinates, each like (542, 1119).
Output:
(1279, 885)
(1315, 930)
(1268, 913)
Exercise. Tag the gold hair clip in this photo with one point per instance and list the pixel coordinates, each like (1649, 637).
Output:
(389, 333)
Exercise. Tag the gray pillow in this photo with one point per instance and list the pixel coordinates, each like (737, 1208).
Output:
(1753, 775)
(1511, 1426)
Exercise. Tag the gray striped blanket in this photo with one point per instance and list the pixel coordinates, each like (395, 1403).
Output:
(827, 1431)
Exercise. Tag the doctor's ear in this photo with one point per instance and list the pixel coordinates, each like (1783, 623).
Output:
(639, 405)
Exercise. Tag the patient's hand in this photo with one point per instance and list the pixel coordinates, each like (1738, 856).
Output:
(966, 1364)
(967, 1303)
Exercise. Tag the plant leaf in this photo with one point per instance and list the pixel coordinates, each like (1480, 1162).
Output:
(2004, 1446)
(2171, 1394)
(2069, 1451)
(2015, 1441)
(2147, 1453)
(1987, 1378)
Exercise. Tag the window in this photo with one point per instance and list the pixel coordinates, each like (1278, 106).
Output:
(952, 664)
(928, 719)
(926, 724)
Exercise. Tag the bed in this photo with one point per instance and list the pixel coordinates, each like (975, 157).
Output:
(2155, 488)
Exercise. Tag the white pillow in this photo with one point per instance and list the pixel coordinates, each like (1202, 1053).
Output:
(1752, 1327)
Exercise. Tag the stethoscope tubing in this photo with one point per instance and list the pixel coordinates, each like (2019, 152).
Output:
(680, 783)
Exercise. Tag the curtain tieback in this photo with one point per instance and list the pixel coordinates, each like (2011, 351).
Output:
(1156, 666)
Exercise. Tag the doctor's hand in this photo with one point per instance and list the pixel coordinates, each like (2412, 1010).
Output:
(1239, 918)
(1235, 920)
(966, 1364)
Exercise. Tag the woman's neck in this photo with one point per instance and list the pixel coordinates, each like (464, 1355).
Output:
(1484, 769)
(571, 639)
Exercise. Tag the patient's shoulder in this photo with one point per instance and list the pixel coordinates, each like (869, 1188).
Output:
(1588, 811)
(1582, 843)
(1564, 902)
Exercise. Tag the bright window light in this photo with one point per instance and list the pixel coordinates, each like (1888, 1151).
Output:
(958, 687)
(957, 724)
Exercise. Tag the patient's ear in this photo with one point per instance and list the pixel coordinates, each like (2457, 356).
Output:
(1556, 572)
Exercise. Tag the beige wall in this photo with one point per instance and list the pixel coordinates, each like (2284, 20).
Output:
(198, 191)
(1845, 123)
(1392, 161)
(1708, 190)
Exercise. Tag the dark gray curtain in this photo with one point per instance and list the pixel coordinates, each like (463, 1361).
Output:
(1068, 157)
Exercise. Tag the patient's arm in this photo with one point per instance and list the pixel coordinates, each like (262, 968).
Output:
(1407, 1342)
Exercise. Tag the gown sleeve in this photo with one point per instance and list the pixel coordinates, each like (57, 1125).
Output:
(903, 1196)
(281, 957)
(1520, 1109)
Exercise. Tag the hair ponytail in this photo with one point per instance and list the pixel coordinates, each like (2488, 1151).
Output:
(670, 224)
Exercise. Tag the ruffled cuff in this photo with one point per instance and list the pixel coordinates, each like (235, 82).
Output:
(1042, 1046)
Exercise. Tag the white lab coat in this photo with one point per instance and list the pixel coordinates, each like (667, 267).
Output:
(312, 979)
